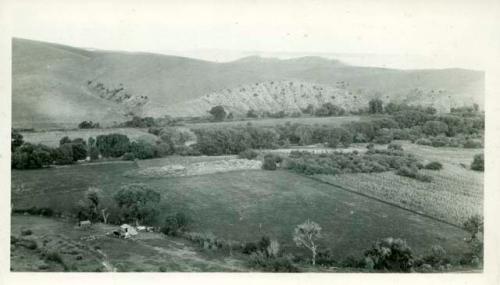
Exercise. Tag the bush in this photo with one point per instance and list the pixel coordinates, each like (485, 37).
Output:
(437, 257)
(248, 154)
(270, 161)
(272, 264)
(325, 258)
(395, 146)
(249, 248)
(53, 256)
(88, 125)
(412, 172)
(391, 254)
(142, 150)
(434, 165)
(175, 224)
(478, 162)
(472, 144)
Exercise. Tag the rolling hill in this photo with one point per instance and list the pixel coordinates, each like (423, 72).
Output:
(59, 86)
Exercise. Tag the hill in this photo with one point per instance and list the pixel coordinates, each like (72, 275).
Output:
(59, 86)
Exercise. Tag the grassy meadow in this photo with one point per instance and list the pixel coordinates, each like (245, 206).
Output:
(244, 205)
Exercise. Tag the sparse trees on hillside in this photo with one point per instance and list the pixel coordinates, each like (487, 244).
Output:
(306, 235)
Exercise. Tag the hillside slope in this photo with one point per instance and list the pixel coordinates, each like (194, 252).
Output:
(58, 86)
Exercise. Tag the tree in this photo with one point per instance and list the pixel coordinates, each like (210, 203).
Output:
(29, 156)
(142, 150)
(138, 203)
(390, 254)
(252, 114)
(306, 235)
(218, 113)
(88, 125)
(112, 145)
(64, 140)
(478, 162)
(304, 133)
(375, 106)
(434, 128)
(16, 140)
(92, 149)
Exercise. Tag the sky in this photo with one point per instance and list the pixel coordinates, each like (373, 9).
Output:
(399, 34)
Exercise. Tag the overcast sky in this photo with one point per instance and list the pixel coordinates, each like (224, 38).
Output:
(404, 34)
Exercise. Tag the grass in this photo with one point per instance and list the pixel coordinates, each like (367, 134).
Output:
(244, 205)
(51, 138)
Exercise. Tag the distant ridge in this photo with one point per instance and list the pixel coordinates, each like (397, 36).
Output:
(50, 84)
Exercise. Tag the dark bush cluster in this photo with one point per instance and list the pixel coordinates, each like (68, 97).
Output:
(88, 125)
(413, 172)
(434, 165)
(339, 162)
(389, 255)
(174, 225)
(478, 162)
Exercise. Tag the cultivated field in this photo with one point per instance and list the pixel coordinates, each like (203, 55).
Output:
(454, 194)
(244, 205)
(51, 138)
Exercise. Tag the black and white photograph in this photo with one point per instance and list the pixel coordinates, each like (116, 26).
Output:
(317, 137)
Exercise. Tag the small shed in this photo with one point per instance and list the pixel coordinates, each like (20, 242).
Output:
(128, 230)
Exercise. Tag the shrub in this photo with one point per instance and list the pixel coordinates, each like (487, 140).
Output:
(434, 128)
(434, 165)
(249, 248)
(325, 258)
(351, 262)
(175, 224)
(395, 146)
(53, 256)
(478, 162)
(252, 114)
(437, 257)
(88, 125)
(412, 172)
(391, 254)
(248, 154)
(272, 264)
(472, 144)
(270, 161)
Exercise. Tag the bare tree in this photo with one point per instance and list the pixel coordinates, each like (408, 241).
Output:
(306, 235)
